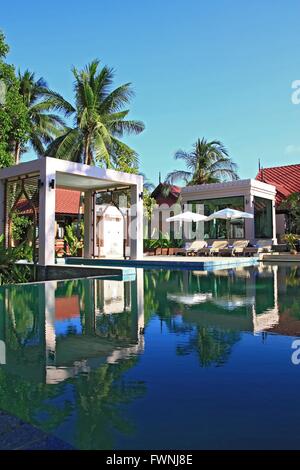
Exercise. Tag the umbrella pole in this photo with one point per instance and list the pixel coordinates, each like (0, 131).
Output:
(228, 228)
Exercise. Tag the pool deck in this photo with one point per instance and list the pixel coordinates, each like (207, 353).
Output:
(280, 258)
(65, 270)
(71, 268)
(167, 262)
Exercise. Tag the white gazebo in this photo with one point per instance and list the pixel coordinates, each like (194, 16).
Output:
(50, 173)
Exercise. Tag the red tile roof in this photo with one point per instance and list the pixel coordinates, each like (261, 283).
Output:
(67, 201)
(285, 178)
(67, 307)
(170, 197)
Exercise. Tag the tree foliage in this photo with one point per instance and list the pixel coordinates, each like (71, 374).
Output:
(42, 105)
(292, 205)
(207, 162)
(100, 120)
(14, 121)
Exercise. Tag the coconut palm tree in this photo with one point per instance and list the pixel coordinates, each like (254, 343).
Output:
(42, 105)
(99, 121)
(208, 162)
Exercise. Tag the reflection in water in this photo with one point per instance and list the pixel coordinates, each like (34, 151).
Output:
(56, 331)
(78, 363)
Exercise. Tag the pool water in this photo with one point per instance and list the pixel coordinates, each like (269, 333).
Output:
(168, 360)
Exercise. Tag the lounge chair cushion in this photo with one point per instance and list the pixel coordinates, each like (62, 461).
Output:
(197, 245)
(218, 245)
(239, 245)
(264, 245)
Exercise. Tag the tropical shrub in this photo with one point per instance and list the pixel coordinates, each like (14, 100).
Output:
(292, 205)
(20, 224)
(162, 242)
(10, 271)
(74, 239)
(291, 239)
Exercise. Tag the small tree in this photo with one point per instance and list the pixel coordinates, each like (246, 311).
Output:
(292, 205)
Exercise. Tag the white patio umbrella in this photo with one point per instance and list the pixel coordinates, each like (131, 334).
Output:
(229, 214)
(187, 217)
(233, 302)
(190, 299)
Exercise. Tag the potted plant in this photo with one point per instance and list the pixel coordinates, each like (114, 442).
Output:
(149, 246)
(291, 239)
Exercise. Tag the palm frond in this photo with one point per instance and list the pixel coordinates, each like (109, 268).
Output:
(120, 150)
(119, 127)
(117, 99)
(67, 146)
(100, 149)
(190, 159)
(37, 145)
(178, 175)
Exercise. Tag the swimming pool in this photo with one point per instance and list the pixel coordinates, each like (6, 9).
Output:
(165, 360)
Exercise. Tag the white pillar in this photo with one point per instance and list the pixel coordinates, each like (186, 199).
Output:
(137, 305)
(2, 206)
(249, 223)
(274, 221)
(48, 299)
(140, 299)
(46, 215)
(88, 224)
(136, 223)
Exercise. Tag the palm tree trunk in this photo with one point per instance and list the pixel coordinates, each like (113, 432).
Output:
(17, 152)
(91, 162)
(86, 151)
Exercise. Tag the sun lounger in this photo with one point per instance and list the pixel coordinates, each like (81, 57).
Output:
(192, 250)
(261, 246)
(214, 249)
(236, 249)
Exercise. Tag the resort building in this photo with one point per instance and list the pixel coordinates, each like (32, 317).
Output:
(264, 201)
(286, 180)
(252, 196)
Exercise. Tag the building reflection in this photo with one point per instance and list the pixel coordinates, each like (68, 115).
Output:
(243, 299)
(54, 331)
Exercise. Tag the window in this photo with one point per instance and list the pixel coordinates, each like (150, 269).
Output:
(216, 228)
(263, 217)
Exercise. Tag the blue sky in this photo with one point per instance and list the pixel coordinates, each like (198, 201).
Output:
(221, 69)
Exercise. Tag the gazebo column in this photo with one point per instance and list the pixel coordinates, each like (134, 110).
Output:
(47, 215)
(249, 223)
(88, 224)
(136, 223)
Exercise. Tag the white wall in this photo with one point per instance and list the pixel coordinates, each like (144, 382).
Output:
(280, 224)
